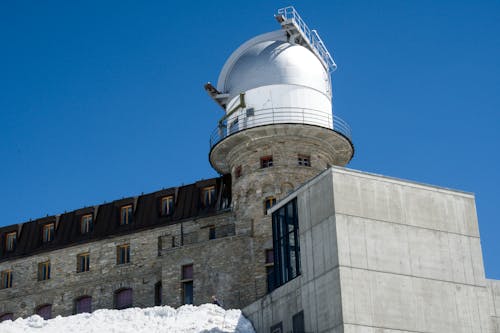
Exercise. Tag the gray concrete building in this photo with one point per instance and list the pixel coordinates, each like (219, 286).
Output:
(379, 254)
(286, 233)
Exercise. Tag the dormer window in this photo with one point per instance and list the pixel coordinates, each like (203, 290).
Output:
(86, 224)
(126, 214)
(48, 232)
(167, 205)
(10, 241)
(208, 196)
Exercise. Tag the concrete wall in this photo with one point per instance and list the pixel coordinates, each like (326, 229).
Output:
(381, 254)
(410, 256)
(494, 296)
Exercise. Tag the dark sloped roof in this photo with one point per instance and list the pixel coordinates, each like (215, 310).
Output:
(188, 204)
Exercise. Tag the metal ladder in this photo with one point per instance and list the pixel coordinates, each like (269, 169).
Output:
(295, 26)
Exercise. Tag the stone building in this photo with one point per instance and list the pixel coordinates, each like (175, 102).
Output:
(286, 232)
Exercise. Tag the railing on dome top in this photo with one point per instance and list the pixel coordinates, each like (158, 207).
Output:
(311, 37)
(247, 118)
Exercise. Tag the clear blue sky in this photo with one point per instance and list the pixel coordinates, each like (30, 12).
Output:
(101, 100)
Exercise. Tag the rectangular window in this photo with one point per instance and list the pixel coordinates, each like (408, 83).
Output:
(6, 277)
(83, 262)
(298, 322)
(286, 243)
(123, 254)
(83, 305)
(268, 203)
(86, 224)
(266, 161)
(270, 269)
(44, 270)
(48, 232)
(211, 232)
(10, 241)
(237, 172)
(304, 160)
(167, 205)
(158, 292)
(187, 284)
(126, 215)
(208, 196)
(278, 328)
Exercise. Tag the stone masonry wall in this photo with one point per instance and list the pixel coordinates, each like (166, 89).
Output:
(145, 269)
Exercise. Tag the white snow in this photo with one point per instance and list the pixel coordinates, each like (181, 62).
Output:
(207, 318)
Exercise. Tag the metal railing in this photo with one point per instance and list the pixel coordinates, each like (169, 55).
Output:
(311, 37)
(248, 118)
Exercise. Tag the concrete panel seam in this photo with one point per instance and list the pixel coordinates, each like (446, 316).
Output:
(407, 225)
(387, 328)
(413, 276)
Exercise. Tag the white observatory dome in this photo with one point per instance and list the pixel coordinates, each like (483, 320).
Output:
(275, 62)
(270, 80)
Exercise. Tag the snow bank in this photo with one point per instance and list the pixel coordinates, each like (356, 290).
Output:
(207, 318)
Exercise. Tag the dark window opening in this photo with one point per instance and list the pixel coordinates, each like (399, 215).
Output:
(48, 232)
(298, 322)
(167, 205)
(122, 254)
(208, 196)
(6, 316)
(266, 161)
(158, 292)
(277, 328)
(44, 271)
(82, 262)
(45, 311)
(86, 224)
(304, 160)
(83, 304)
(10, 241)
(211, 232)
(237, 172)
(126, 215)
(268, 203)
(270, 269)
(187, 284)
(6, 279)
(286, 243)
(123, 298)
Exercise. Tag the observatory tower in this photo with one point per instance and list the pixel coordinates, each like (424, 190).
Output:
(278, 130)
(278, 126)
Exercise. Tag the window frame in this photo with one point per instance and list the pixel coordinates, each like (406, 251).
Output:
(10, 242)
(126, 214)
(44, 270)
(266, 161)
(269, 201)
(86, 223)
(208, 196)
(125, 258)
(304, 160)
(167, 209)
(187, 283)
(48, 232)
(85, 266)
(6, 279)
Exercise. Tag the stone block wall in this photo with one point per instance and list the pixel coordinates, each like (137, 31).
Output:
(149, 264)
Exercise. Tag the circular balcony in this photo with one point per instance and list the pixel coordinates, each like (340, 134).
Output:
(248, 118)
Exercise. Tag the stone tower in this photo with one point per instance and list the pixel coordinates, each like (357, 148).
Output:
(278, 130)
